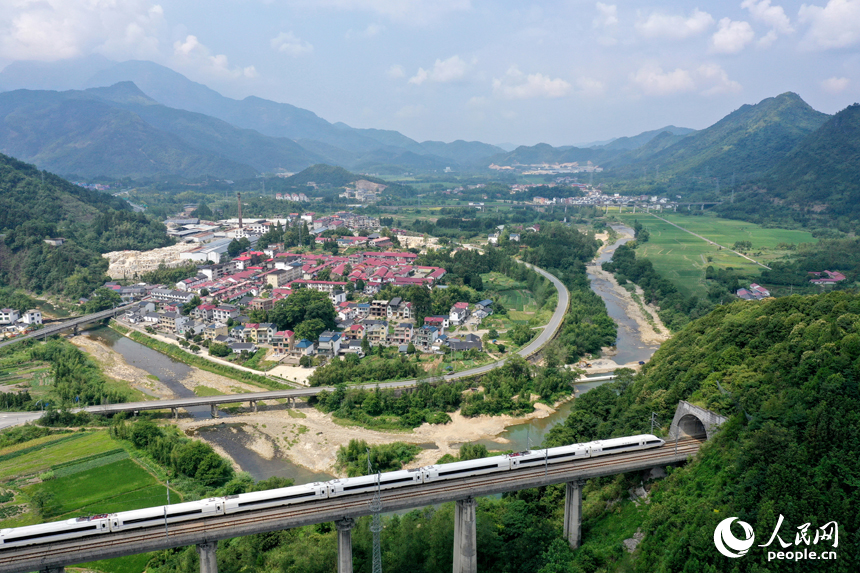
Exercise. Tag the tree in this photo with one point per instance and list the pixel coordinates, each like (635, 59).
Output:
(304, 304)
(204, 292)
(219, 350)
(493, 334)
(191, 305)
(306, 361)
(310, 329)
(365, 345)
(102, 299)
(359, 285)
(410, 349)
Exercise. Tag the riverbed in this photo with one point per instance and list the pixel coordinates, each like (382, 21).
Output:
(301, 443)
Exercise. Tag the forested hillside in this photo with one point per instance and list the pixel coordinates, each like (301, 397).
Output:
(35, 205)
(786, 373)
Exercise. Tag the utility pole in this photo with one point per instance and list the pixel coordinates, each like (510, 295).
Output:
(376, 523)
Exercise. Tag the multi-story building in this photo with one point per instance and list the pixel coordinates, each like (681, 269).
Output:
(329, 343)
(377, 334)
(403, 334)
(8, 315)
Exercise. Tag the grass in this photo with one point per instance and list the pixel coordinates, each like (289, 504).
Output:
(683, 258)
(119, 486)
(204, 391)
(52, 450)
(92, 474)
(292, 413)
(202, 363)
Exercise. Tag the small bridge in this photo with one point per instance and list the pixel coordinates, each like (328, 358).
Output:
(55, 328)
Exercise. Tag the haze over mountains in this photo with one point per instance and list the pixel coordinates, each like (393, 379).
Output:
(142, 120)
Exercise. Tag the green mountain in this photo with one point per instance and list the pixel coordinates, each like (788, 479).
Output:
(211, 135)
(77, 133)
(824, 167)
(35, 205)
(785, 372)
(748, 142)
(325, 176)
(637, 141)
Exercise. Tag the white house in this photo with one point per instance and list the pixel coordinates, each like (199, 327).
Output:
(8, 315)
(32, 317)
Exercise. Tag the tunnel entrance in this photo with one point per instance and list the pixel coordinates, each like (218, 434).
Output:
(693, 427)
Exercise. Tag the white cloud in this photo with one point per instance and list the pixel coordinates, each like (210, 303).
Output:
(664, 26)
(714, 80)
(369, 32)
(517, 85)
(414, 12)
(190, 53)
(773, 16)
(443, 71)
(409, 111)
(56, 29)
(607, 15)
(731, 37)
(707, 79)
(835, 85)
(476, 102)
(289, 43)
(836, 25)
(396, 71)
(652, 80)
(768, 39)
(590, 86)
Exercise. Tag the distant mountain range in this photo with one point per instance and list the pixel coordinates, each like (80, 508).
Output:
(335, 143)
(142, 120)
(253, 134)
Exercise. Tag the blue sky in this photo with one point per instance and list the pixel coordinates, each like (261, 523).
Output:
(560, 72)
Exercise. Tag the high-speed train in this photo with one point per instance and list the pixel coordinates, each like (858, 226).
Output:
(164, 515)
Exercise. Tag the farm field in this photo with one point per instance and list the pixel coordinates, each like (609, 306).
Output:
(519, 301)
(75, 474)
(683, 258)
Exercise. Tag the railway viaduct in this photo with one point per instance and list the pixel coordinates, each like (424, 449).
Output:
(206, 532)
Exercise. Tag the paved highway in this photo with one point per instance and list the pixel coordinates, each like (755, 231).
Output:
(205, 530)
(547, 334)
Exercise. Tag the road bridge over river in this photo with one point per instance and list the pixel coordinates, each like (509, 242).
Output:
(206, 532)
(55, 328)
(547, 333)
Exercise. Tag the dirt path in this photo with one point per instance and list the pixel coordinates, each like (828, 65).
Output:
(648, 330)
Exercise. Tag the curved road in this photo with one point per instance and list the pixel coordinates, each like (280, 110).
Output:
(547, 334)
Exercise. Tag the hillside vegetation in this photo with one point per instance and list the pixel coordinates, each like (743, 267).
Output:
(35, 205)
(786, 373)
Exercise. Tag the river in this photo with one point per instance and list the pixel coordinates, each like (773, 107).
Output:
(232, 437)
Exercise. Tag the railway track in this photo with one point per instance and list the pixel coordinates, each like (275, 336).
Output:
(103, 546)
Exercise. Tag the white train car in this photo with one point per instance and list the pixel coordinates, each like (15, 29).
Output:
(362, 484)
(153, 516)
(549, 456)
(74, 528)
(627, 444)
(466, 469)
(275, 497)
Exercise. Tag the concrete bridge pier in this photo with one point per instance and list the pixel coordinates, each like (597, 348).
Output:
(175, 412)
(465, 537)
(573, 512)
(214, 410)
(344, 544)
(208, 560)
(253, 404)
